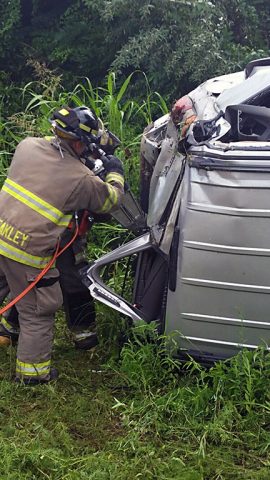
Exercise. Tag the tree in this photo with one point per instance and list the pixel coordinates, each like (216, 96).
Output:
(177, 43)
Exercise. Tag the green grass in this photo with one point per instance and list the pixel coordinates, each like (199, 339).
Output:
(125, 420)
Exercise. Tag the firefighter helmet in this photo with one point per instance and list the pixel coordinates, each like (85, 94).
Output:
(79, 123)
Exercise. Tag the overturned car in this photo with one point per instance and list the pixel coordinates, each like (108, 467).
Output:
(203, 227)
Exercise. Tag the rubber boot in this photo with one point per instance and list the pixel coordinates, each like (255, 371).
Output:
(32, 382)
(85, 340)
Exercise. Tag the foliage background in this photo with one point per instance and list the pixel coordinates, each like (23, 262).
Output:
(161, 48)
(177, 43)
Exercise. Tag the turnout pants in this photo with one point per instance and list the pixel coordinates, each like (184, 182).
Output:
(78, 304)
(36, 313)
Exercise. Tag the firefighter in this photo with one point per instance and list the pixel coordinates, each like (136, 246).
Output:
(77, 302)
(47, 183)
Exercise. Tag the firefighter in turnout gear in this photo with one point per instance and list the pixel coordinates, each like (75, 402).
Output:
(47, 183)
(78, 304)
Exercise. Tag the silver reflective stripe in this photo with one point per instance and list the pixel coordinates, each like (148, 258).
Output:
(33, 369)
(84, 335)
(22, 257)
(36, 203)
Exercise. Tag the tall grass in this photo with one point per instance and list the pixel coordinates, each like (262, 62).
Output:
(218, 419)
(111, 102)
(144, 416)
(124, 116)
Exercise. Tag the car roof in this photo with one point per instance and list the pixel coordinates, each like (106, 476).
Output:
(248, 89)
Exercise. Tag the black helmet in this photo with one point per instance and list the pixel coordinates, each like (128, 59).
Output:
(79, 123)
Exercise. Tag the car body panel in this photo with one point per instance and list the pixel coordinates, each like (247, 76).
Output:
(206, 260)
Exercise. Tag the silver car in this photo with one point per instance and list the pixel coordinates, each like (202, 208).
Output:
(203, 227)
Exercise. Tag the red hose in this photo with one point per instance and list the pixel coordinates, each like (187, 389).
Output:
(57, 253)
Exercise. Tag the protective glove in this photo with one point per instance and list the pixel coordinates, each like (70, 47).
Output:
(113, 164)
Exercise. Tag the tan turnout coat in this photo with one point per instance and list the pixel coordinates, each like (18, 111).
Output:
(43, 190)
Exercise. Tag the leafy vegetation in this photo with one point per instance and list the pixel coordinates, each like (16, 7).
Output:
(177, 43)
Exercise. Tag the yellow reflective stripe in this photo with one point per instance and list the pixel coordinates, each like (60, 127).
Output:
(84, 127)
(64, 112)
(36, 203)
(87, 129)
(38, 365)
(22, 257)
(34, 197)
(110, 201)
(62, 124)
(8, 326)
(27, 202)
(33, 369)
(64, 221)
(115, 177)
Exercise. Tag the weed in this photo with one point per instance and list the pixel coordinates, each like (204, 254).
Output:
(207, 413)
(146, 361)
(137, 417)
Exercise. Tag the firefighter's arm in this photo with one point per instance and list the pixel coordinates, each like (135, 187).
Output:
(114, 179)
(114, 170)
(104, 196)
